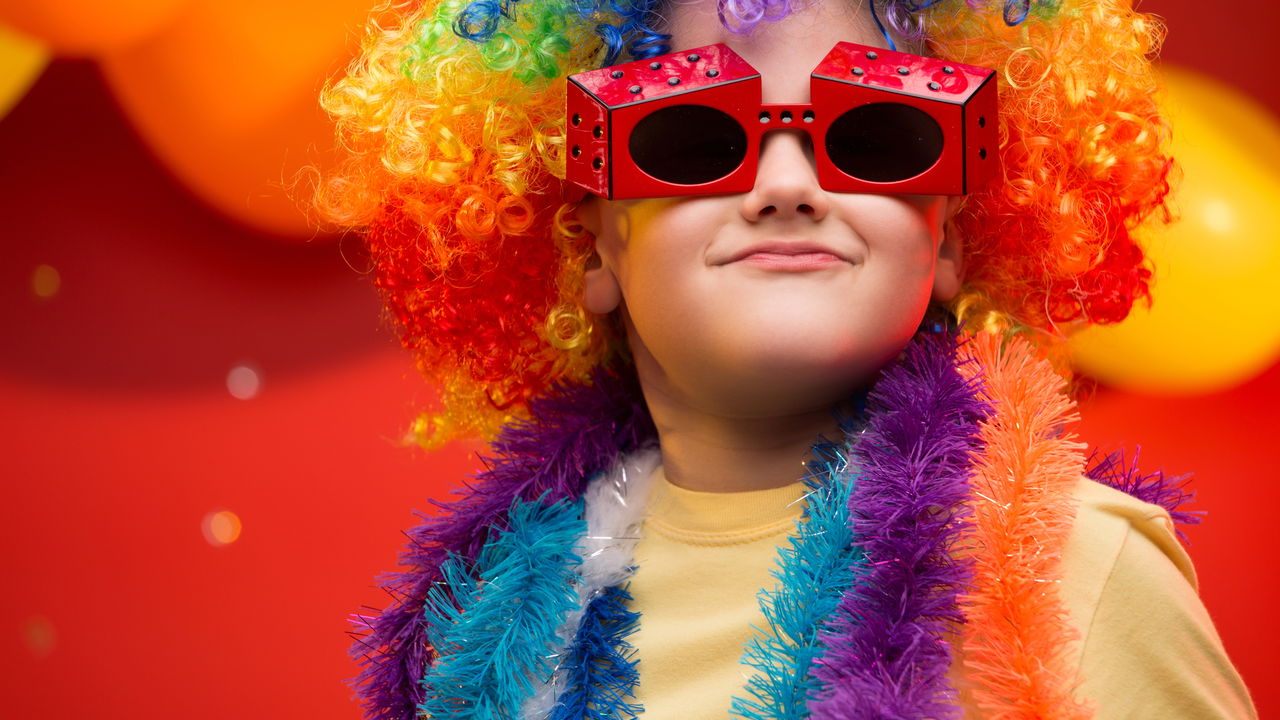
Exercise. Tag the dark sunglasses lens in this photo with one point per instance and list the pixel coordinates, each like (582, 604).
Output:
(884, 142)
(688, 144)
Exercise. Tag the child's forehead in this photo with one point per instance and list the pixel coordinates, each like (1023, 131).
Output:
(701, 22)
(785, 51)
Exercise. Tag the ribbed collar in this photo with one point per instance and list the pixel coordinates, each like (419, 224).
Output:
(723, 517)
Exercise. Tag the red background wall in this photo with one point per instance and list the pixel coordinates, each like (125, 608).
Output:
(119, 434)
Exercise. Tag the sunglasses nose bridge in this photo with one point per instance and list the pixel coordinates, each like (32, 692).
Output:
(786, 181)
(785, 151)
(797, 120)
(786, 116)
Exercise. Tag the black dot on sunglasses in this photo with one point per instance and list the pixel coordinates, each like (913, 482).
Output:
(808, 116)
(765, 117)
(673, 81)
(634, 89)
(597, 163)
(948, 69)
(903, 71)
(616, 74)
(597, 132)
(577, 119)
(785, 116)
(858, 71)
(934, 86)
(982, 153)
(982, 121)
(655, 66)
(713, 73)
(694, 57)
(871, 55)
(577, 150)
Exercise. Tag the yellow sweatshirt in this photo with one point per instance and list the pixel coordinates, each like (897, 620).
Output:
(1149, 649)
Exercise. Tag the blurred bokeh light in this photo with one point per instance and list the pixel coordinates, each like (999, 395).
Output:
(243, 382)
(221, 528)
(45, 281)
(39, 636)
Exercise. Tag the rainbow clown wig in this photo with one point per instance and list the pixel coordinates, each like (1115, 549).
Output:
(454, 118)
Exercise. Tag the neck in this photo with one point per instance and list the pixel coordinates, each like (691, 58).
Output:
(707, 452)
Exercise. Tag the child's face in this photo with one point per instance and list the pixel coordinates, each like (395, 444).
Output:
(784, 299)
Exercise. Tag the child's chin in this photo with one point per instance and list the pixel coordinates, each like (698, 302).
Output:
(798, 383)
(830, 359)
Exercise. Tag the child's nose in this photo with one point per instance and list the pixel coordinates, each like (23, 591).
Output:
(786, 180)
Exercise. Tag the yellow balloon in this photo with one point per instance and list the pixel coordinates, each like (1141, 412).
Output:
(1215, 318)
(22, 59)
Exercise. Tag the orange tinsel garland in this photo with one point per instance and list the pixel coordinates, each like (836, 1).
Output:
(1019, 645)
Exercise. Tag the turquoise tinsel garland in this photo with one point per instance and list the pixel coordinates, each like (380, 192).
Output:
(814, 570)
(492, 627)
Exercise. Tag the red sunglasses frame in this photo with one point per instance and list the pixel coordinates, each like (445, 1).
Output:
(604, 106)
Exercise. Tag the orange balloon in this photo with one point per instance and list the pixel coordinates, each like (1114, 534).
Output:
(89, 27)
(227, 98)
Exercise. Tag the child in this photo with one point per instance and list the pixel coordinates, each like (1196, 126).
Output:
(657, 530)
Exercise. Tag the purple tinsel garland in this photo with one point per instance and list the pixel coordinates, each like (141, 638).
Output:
(886, 656)
(574, 432)
(1170, 493)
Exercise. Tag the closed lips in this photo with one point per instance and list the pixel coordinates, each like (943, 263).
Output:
(785, 250)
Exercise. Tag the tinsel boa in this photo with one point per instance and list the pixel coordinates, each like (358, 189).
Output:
(595, 675)
(958, 433)
(887, 656)
(816, 567)
(574, 433)
(1018, 640)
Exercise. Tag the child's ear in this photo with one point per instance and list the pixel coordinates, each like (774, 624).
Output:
(948, 273)
(601, 293)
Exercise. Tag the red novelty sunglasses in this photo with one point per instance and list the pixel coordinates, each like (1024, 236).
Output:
(691, 122)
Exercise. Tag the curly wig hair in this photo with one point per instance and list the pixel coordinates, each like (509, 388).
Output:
(453, 116)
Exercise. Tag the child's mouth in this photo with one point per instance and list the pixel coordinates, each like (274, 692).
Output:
(792, 261)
